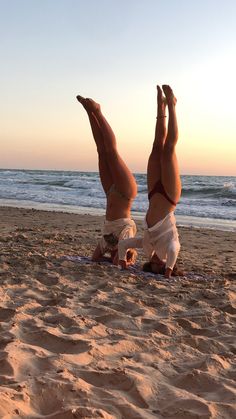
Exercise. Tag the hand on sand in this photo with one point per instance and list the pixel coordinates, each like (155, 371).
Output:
(123, 264)
(168, 273)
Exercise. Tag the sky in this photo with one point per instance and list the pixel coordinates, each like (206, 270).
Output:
(116, 51)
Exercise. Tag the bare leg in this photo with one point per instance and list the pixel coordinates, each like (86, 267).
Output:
(104, 171)
(154, 162)
(169, 165)
(122, 178)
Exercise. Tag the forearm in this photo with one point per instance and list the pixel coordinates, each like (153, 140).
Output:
(97, 254)
(124, 245)
(172, 254)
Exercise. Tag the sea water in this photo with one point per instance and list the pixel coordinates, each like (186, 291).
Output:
(207, 201)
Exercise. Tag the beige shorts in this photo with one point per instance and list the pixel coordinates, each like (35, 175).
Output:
(113, 231)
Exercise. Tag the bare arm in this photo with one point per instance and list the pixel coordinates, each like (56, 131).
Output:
(97, 254)
(124, 245)
(172, 254)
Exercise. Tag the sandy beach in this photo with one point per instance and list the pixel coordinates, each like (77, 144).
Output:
(87, 340)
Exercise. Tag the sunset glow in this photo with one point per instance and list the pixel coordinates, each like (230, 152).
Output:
(116, 53)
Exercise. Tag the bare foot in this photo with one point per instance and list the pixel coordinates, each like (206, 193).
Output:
(92, 105)
(170, 98)
(81, 100)
(89, 104)
(161, 103)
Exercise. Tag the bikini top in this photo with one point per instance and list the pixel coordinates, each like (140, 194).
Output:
(159, 188)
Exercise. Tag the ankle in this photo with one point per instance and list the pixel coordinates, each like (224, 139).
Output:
(171, 106)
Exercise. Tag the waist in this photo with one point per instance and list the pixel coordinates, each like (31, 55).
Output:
(119, 222)
(169, 220)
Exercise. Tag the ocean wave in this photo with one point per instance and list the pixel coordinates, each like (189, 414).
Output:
(202, 196)
(43, 183)
(217, 192)
(229, 203)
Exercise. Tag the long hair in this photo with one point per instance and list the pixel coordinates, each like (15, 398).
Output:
(147, 267)
(131, 256)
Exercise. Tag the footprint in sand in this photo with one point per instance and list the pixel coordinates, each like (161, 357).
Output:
(187, 408)
(194, 329)
(5, 366)
(6, 314)
(46, 278)
(207, 386)
(117, 381)
(33, 335)
(204, 345)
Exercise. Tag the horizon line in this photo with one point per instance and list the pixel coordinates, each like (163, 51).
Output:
(96, 171)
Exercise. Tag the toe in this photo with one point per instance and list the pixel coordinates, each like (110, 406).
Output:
(167, 90)
(80, 98)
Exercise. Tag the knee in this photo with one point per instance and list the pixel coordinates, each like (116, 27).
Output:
(111, 153)
(158, 147)
(156, 152)
(168, 151)
(110, 147)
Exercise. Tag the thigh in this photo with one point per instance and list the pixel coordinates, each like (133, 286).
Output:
(153, 170)
(122, 177)
(104, 172)
(170, 176)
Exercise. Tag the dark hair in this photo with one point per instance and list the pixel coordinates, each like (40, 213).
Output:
(147, 267)
(131, 255)
(111, 239)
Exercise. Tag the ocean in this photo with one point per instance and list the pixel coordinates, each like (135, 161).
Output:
(206, 201)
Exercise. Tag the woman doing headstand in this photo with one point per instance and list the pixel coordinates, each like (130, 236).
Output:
(160, 241)
(118, 183)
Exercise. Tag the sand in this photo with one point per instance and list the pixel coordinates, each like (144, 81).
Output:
(87, 340)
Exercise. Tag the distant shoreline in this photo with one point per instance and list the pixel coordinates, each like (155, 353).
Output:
(96, 171)
(182, 220)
